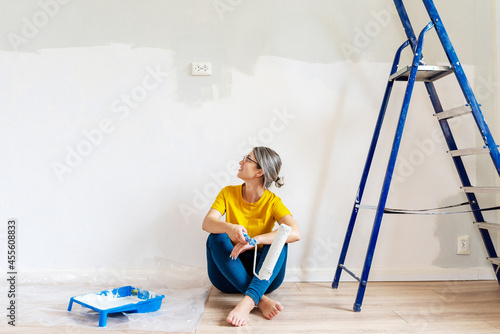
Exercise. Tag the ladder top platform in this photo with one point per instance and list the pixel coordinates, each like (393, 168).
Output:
(427, 73)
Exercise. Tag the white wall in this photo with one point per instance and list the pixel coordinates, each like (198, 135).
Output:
(112, 152)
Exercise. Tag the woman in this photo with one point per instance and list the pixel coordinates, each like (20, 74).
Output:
(253, 209)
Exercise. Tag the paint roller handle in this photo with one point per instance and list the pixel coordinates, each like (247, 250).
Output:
(251, 241)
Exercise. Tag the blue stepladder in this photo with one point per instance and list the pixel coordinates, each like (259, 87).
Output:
(419, 71)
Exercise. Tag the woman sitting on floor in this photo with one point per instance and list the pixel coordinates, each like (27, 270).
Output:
(249, 208)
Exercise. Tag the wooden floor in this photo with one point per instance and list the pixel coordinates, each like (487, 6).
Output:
(388, 307)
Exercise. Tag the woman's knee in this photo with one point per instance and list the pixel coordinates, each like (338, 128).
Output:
(217, 239)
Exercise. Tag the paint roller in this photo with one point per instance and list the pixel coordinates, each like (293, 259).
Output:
(273, 254)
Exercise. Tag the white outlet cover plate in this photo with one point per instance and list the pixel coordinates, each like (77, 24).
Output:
(461, 241)
(201, 68)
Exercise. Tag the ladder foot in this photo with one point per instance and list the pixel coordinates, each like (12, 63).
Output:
(357, 308)
(335, 285)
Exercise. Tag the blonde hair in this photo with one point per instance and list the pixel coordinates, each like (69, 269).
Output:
(270, 162)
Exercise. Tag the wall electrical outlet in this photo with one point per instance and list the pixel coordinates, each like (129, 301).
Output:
(201, 68)
(463, 245)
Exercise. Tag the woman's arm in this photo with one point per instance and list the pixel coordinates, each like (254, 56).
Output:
(212, 224)
(267, 239)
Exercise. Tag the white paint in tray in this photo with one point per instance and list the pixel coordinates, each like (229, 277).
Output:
(107, 301)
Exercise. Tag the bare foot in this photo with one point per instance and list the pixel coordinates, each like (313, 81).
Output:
(270, 308)
(239, 316)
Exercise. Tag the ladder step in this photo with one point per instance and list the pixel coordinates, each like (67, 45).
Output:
(454, 112)
(494, 190)
(469, 151)
(486, 225)
(494, 260)
(425, 73)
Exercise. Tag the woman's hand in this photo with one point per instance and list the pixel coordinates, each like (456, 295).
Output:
(235, 233)
(240, 248)
(212, 224)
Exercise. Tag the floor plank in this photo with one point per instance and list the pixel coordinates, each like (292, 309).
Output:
(388, 307)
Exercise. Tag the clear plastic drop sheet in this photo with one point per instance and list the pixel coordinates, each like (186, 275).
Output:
(44, 302)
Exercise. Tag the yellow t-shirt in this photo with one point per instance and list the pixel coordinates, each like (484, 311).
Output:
(258, 218)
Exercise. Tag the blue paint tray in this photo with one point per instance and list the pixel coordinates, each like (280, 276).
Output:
(124, 299)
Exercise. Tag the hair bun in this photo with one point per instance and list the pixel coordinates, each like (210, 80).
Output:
(280, 182)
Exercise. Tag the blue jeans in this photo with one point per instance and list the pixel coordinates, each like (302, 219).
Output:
(233, 276)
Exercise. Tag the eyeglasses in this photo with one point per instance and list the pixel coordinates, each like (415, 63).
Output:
(247, 157)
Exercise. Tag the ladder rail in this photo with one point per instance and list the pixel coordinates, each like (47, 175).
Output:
(479, 119)
(390, 170)
(405, 21)
(366, 169)
(463, 82)
(472, 103)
